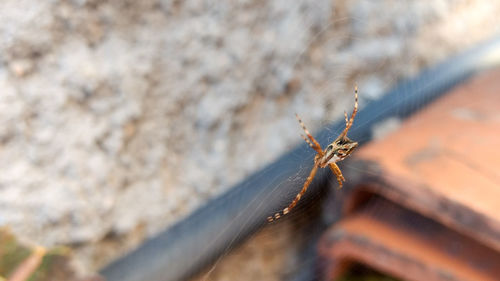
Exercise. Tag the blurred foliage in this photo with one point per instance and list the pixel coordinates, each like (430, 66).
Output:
(35, 263)
(11, 253)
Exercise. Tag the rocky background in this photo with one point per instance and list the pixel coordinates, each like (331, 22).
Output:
(119, 118)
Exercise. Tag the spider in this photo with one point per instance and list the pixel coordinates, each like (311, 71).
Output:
(336, 151)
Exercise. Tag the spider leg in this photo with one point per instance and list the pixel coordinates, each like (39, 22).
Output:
(313, 143)
(297, 197)
(308, 141)
(338, 173)
(353, 114)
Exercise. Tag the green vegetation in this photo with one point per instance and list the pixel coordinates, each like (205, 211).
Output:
(53, 266)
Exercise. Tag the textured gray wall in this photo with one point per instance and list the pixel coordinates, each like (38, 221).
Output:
(118, 118)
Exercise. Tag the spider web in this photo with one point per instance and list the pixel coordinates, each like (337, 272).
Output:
(280, 251)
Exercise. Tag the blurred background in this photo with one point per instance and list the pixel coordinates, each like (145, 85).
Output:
(120, 118)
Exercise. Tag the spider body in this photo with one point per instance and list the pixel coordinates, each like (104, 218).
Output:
(336, 151)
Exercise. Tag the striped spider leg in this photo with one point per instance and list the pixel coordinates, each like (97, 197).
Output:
(336, 151)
